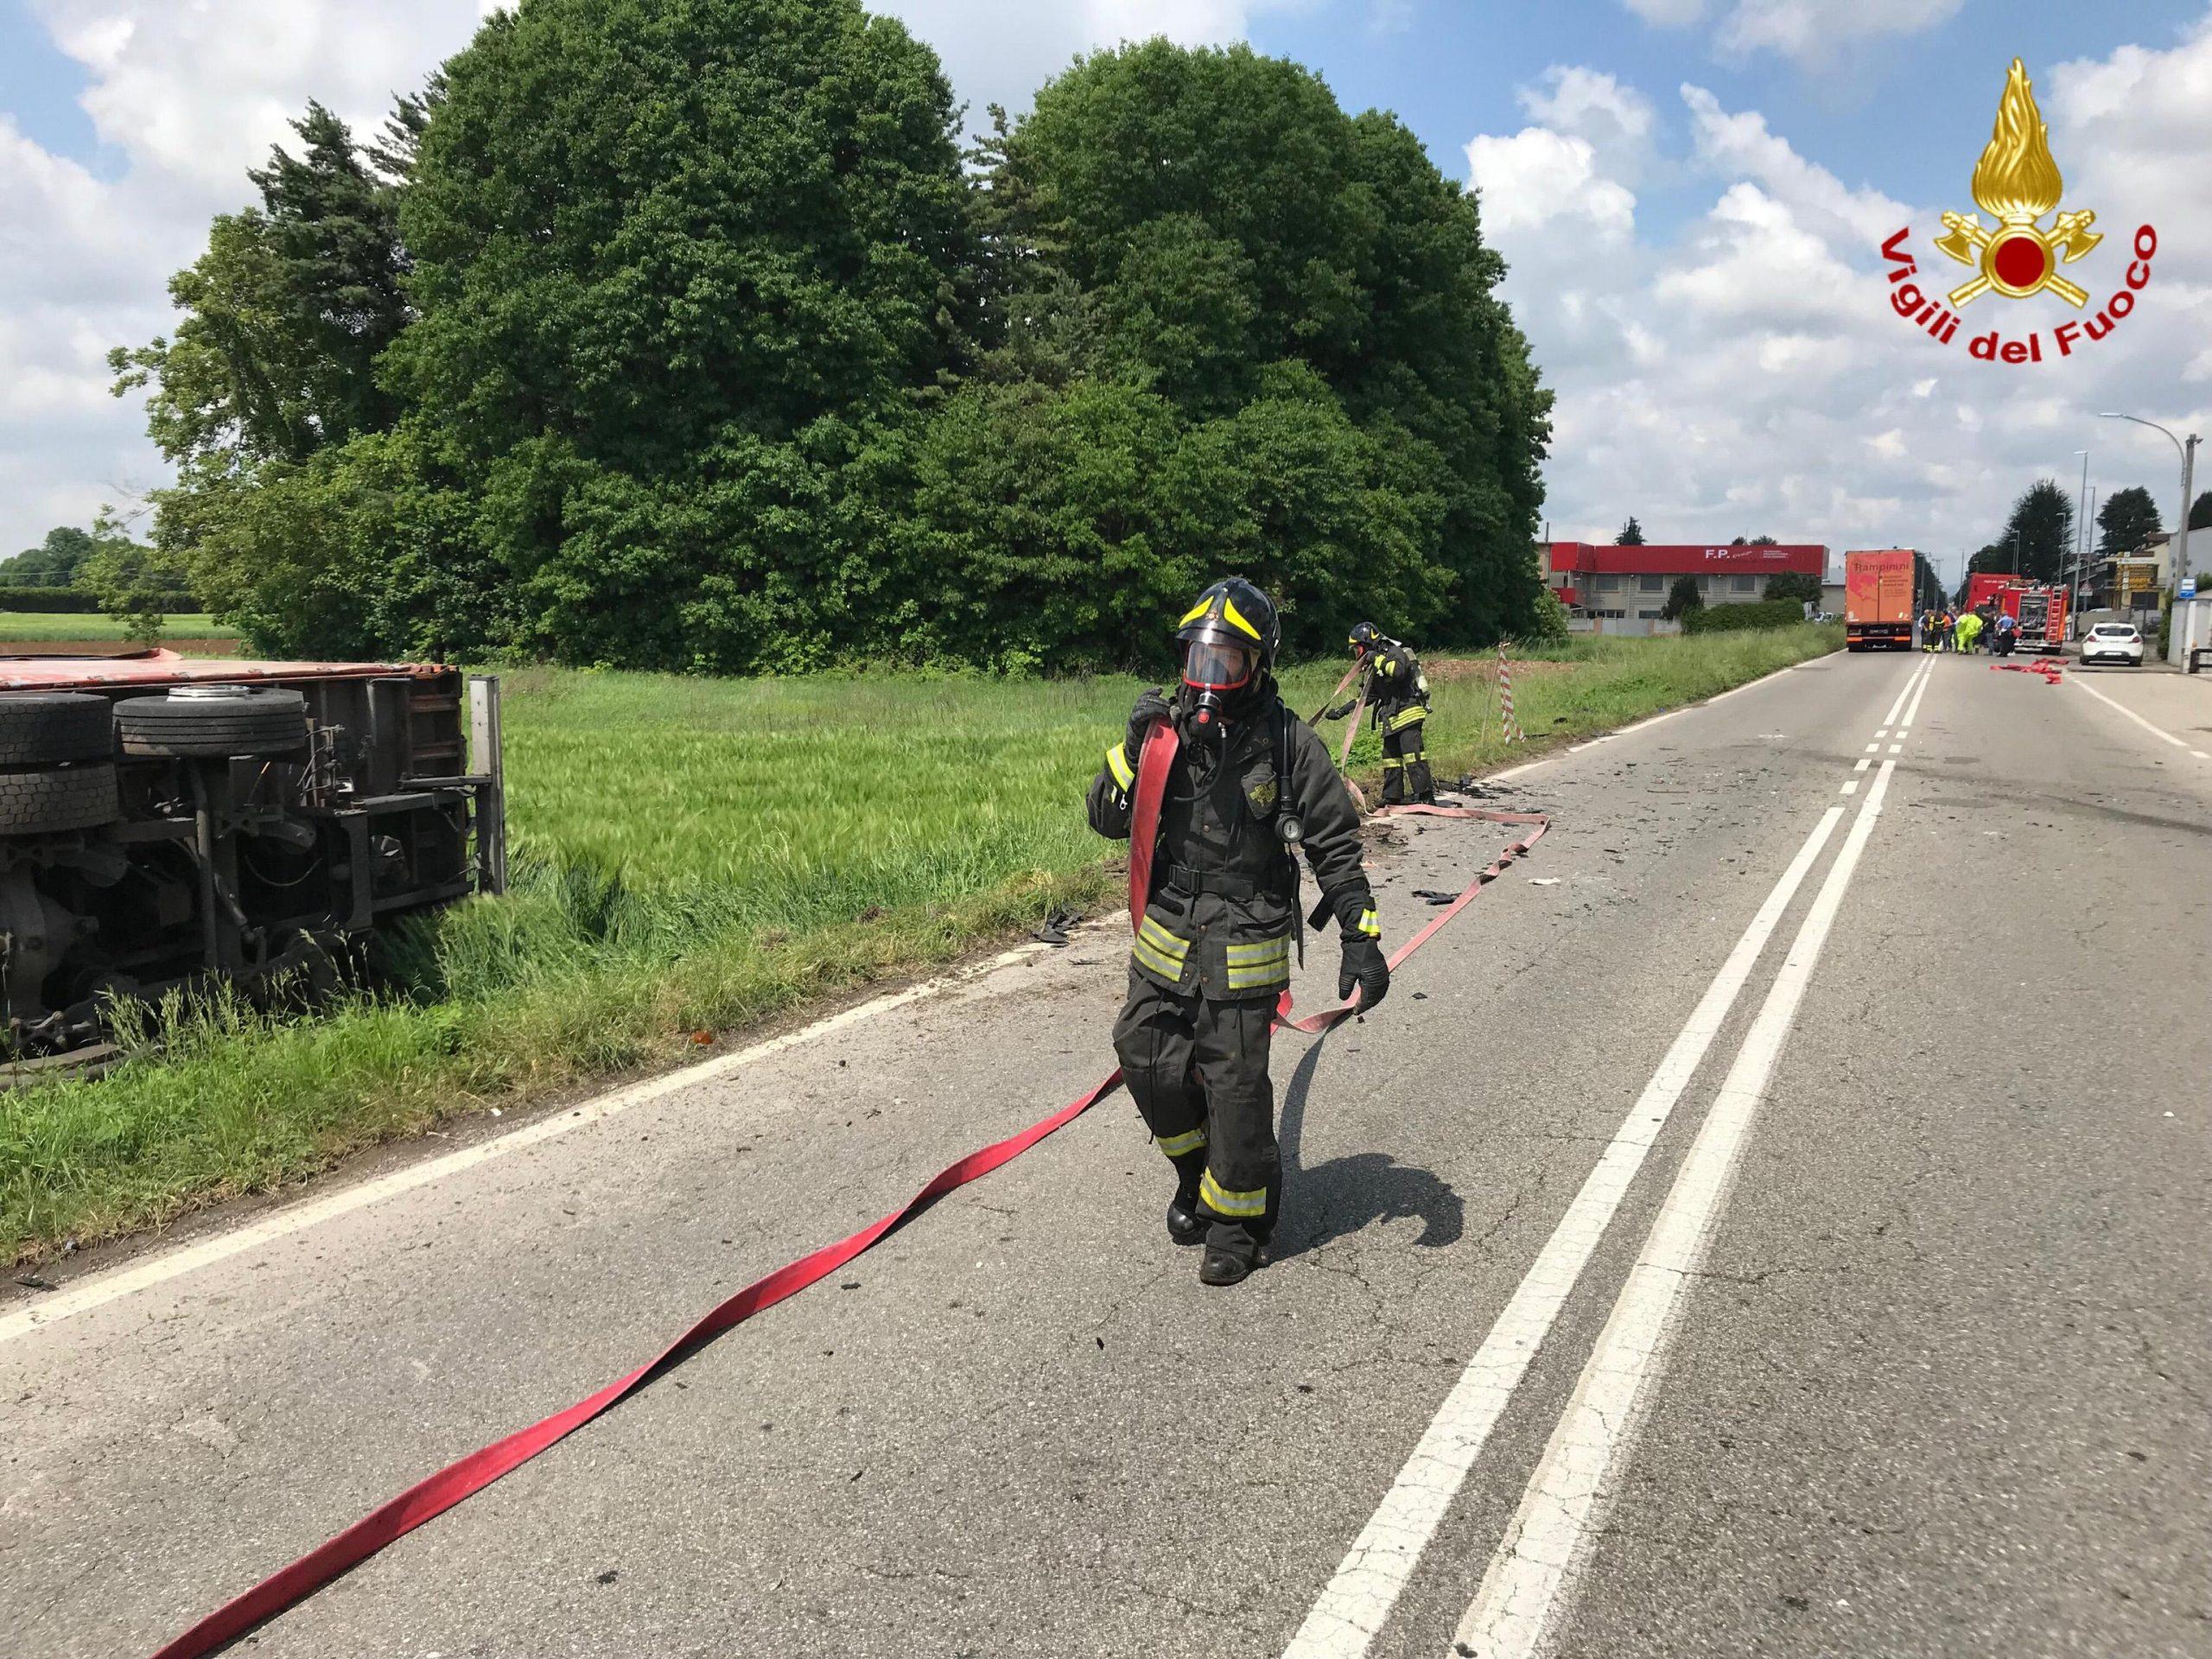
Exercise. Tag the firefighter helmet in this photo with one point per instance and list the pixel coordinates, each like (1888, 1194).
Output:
(1229, 638)
(1365, 638)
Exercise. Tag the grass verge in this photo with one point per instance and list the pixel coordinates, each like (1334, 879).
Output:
(47, 627)
(696, 854)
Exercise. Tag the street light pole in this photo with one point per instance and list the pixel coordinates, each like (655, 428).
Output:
(2181, 534)
(2080, 529)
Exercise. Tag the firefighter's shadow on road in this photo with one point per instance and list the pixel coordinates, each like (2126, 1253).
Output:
(1351, 1193)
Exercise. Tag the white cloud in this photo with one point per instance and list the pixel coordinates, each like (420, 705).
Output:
(1668, 14)
(1744, 374)
(1808, 31)
(1538, 175)
(1741, 145)
(1815, 31)
(1582, 103)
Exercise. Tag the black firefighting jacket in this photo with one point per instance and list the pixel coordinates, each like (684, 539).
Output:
(1394, 687)
(1224, 889)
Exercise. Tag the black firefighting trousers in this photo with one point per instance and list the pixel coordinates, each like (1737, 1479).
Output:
(1405, 765)
(1198, 1070)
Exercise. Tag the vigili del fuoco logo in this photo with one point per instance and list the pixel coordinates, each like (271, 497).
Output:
(2017, 182)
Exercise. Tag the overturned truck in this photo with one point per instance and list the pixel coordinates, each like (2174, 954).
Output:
(173, 823)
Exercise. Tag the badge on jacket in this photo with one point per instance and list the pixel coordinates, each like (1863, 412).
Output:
(1261, 793)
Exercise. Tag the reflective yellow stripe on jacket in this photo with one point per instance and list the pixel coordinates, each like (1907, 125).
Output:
(1252, 967)
(1404, 718)
(1117, 762)
(1160, 950)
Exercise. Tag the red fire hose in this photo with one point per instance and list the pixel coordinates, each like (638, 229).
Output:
(464, 1478)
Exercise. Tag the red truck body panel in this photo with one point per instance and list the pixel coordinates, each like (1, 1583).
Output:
(1877, 586)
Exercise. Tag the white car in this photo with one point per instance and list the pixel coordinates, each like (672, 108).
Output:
(2113, 642)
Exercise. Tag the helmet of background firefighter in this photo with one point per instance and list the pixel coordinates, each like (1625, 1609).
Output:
(1365, 638)
(1228, 638)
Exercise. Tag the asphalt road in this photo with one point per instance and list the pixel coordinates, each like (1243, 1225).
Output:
(1771, 1220)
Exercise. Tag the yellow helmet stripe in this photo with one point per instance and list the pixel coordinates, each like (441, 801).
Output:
(1229, 609)
(1195, 612)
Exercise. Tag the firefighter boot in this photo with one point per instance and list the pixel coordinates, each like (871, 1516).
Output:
(1419, 784)
(1233, 1260)
(1393, 785)
(1184, 1224)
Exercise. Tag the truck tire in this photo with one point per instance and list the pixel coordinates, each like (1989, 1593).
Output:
(57, 798)
(236, 720)
(38, 728)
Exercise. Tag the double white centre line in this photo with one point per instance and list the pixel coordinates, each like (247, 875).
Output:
(1358, 1600)
(1526, 1590)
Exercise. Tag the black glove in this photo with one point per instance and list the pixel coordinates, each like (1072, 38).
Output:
(1341, 711)
(1150, 708)
(1365, 967)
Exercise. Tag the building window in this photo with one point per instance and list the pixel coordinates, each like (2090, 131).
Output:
(1652, 584)
(1742, 584)
(1613, 616)
(1648, 616)
(1608, 584)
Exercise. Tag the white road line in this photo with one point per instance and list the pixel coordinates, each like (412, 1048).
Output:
(1873, 748)
(1358, 1600)
(1914, 710)
(2163, 736)
(1524, 1595)
(1577, 748)
(1885, 731)
(102, 1288)
(1897, 748)
(2200, 755)
(1861, 764)
(1917, 674)
(1850, 788)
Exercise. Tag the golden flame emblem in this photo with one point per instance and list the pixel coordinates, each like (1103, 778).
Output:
(2017, 181)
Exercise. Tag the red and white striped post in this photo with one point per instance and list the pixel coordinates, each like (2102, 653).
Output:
(1506, 721)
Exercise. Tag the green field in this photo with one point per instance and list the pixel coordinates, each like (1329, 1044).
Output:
(43, 626)
(698, 855)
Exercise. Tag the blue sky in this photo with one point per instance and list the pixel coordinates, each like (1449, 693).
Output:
(1696, 269)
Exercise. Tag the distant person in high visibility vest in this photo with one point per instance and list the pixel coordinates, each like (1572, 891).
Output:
(1969, 630)
(1392, 684)
(1946, 630)
(1249, 784)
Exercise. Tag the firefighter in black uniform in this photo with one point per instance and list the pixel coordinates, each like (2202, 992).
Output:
(1391, 681)
(1249, 784)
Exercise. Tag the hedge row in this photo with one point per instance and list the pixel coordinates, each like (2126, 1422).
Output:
(72, 600)
(1732, 618)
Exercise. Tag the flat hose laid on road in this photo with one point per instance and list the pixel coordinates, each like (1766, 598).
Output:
(464, 1478)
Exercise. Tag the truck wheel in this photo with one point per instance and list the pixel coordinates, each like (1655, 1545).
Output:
(216, 722)
(57, 798)
(38, 729)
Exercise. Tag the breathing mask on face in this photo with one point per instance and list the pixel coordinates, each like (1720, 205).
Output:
(1214, 671)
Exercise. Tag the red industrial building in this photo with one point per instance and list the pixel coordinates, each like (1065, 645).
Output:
(1612, 590)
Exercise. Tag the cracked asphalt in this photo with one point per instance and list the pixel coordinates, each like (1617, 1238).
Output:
(1942, 1388)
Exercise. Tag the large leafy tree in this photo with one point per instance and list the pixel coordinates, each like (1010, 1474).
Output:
(1210, 227)
(269, 377)
(53, 563)
(2127, 521)
(681, 270)
(2039, 536)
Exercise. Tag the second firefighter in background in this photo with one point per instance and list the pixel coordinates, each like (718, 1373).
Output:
(1249, 784)
(1391, 682)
